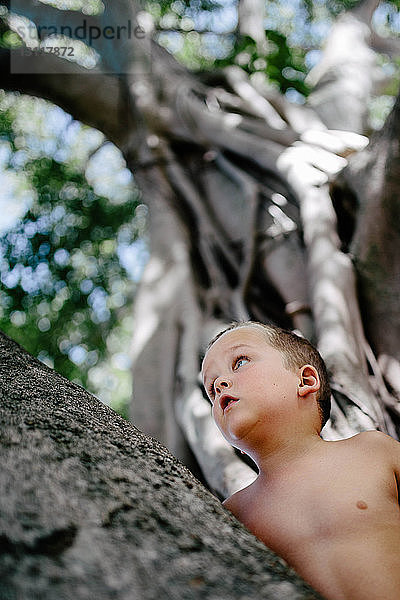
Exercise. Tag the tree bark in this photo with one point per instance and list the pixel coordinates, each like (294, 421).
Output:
(93, 508)
(378, 219)
(373, 179)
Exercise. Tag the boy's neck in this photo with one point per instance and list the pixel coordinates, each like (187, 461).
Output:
(282, 461)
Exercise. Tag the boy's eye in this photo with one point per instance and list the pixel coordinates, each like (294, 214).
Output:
(239, 362)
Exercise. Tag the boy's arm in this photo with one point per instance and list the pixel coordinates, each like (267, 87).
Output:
(391, 448)
(395, 453)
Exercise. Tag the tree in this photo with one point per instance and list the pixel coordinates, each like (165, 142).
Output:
(258, 208)
(92, 508)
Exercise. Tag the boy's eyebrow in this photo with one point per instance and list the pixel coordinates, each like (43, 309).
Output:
(230, 349)
(240, 346)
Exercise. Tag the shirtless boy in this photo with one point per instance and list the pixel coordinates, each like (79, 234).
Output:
(330, 509)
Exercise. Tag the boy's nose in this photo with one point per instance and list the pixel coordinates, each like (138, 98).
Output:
(221, 384)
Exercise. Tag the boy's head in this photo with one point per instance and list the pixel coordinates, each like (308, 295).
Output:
(296, 352)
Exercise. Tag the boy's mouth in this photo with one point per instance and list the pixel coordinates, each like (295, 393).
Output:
(225, 401)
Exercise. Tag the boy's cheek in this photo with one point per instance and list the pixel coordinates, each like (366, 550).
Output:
(215, 413)
(217, 416)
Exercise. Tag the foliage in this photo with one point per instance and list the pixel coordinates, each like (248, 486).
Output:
(193, 32)
(283, 66)
(64, 288)
(203, 35)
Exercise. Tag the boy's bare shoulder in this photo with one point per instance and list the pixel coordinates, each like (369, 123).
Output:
(378, 442)
(374, 439)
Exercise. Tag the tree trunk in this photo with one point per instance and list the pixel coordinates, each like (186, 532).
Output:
(378, 219)
(374, 181)
(93, 508)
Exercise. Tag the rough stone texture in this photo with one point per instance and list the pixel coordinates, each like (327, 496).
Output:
(91, 508)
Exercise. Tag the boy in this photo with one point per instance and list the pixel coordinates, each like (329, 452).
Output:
(330, 509)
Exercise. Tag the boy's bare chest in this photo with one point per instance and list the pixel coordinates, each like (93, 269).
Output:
(319, 509)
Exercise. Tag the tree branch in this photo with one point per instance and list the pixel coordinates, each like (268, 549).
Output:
(375, 241)
(251, 21)
(386, 45)
(49, 19)
(258, 105)
(364, 10)
(223, 130)
(333, 294)
(70, 86)
(344, 79)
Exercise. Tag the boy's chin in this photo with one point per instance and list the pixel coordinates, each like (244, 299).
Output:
(235, 433)
(233, 440)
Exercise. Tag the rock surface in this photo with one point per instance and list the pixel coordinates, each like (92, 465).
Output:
(91, 508)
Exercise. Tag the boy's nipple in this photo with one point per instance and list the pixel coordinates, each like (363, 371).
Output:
(362, 505)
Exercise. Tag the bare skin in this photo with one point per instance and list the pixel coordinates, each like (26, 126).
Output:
(330, 509)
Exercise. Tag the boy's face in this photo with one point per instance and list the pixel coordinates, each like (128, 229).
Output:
(248, 385)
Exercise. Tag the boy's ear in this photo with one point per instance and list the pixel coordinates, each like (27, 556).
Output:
(309, 381)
